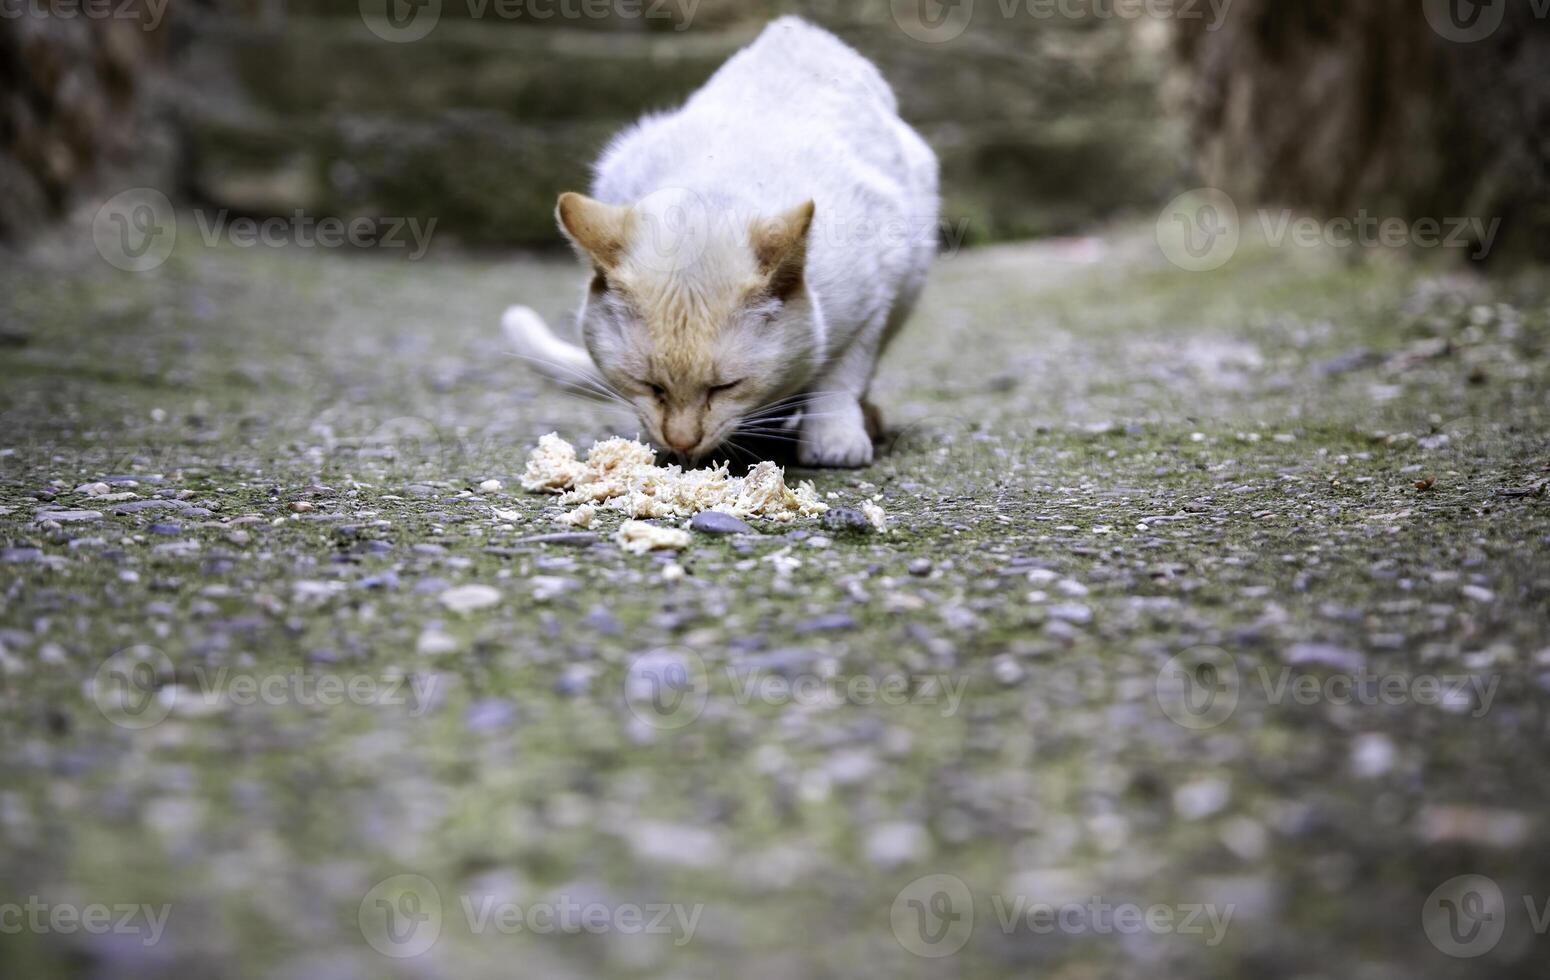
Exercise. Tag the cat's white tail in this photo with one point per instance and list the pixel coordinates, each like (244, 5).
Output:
(550, 356)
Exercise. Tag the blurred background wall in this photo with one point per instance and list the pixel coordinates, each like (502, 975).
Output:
(479, 112)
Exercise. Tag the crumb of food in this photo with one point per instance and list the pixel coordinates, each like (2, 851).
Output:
(638, 537)
(581, 517)
(622, 475)
(876, 516)
(490, 486)
(552, 466)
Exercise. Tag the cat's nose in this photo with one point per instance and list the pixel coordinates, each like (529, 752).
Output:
(678, 444)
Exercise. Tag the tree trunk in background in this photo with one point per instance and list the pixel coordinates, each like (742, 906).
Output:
(70, 104)
(1336, 107)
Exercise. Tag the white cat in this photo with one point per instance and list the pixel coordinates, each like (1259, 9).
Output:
(753, 252)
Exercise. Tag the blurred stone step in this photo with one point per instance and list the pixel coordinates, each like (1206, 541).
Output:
(626, 16)
(488, 180)
(485, 179)
(1039, 132)
(315, 65)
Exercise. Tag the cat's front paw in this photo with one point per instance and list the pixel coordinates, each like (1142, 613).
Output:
(839, 443)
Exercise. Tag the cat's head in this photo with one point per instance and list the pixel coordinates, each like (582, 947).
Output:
(701, 319)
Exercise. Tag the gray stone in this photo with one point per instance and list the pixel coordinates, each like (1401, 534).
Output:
(490, 716)
(715, 522)
(135, 506)
(1074, 613)
(70, 516)
(575, 539)
(827, 623)
(1325, 655)
(847, 519)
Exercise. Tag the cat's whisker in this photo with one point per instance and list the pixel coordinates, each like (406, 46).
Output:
(770, 437)
(577, 377)
(800, 399)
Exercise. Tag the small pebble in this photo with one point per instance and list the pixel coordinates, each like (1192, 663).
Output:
(1075, 614)
(1008, 671)
(715, 522)
(1201, 798)
(70, 516)
(896, 844)
(470, 598)
(435, 643)
(840, 519)
(1477, 593)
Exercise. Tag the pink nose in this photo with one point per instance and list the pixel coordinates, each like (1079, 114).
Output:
(680, 444)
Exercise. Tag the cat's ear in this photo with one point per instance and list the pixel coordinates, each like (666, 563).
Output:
(601, 232)
(780, 248)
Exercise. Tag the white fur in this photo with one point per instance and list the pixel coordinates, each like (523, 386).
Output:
(796, 116)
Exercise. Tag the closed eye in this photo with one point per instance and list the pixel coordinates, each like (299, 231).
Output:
(724, 389)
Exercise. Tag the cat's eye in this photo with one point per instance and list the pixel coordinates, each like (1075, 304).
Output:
(657, 390)
(723, 389)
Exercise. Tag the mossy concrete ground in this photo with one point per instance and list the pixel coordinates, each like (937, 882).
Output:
(1221, 595)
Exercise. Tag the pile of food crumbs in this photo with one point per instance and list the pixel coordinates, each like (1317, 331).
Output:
(622, 475)
(638, 537)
